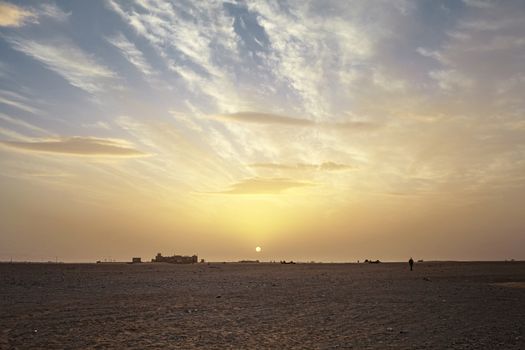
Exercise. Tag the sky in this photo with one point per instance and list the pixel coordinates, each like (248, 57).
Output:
(317, 130)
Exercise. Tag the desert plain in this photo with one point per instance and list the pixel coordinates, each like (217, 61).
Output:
(439, 305)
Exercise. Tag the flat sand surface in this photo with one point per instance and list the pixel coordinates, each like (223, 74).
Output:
(262, 306)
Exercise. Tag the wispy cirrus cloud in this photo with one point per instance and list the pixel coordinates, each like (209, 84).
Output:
(19, 122)
(15, 16)
(264, 186)
(77, 146)
(53, 11)
(131, 53)
(265, 118)
(67, 60)
(451, 79)
(313, 54)
(325, 166)
(97, 125)
(195, 40)
(12, 15)
(482, 4)
(17, 104)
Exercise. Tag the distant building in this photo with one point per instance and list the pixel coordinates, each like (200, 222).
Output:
(136, 260)
(176, 259)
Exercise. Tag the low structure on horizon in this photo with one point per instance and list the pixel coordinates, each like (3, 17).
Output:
(176, 259)
(136, 260)
(372, 261)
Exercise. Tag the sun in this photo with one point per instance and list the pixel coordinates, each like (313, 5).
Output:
(258, 249)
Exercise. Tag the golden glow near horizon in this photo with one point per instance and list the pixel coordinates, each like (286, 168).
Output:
(308, 126)
(258, 249)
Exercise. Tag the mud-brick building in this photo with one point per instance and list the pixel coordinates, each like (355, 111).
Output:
(176, 259)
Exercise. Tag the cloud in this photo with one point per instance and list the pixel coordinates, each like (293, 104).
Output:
(78, 146)
(265, 118)
(53, 11)
(4, 71)
(479, 60)
(17, 104)
(69, 61)
(15, 16)
(13, 135)
(326, 166)
(451, 79)
(275, 119)
(131, 53)
(97, 125)
(310, 56)
(191, 39)
(482, 4)
(332, 166)
(21, 123)
(264, 186)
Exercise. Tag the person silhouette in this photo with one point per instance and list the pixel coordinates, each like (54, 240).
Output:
(411, 263)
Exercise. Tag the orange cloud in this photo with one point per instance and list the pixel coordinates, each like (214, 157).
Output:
(276, 119)
(77, 146)
(264, 186)
(14, 16)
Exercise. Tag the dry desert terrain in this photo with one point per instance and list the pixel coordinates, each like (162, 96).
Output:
(440, 305)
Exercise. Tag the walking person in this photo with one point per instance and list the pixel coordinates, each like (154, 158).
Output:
(411, 263)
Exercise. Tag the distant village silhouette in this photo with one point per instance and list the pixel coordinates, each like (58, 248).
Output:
(193, 259)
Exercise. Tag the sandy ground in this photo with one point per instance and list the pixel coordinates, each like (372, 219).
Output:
(259, 306)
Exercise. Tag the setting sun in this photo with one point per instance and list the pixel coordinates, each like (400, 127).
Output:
(258, 249)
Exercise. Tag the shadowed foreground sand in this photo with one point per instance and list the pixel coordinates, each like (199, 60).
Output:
(248, 306)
